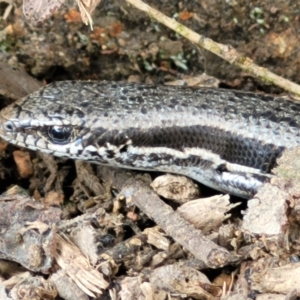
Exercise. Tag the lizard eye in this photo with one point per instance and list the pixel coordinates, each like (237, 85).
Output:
(60, 134)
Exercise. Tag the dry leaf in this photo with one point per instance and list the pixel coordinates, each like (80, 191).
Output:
(39, 10)
(86, 8)
(72, 261)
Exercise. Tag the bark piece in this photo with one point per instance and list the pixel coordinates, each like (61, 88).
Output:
(134, 288)
(157, 238)
(183, 280)
(24, 164)
(23, 239)
(270, 296)
(15, 83)
(283, 280)
(53, 198)
(126, 253)
(34, 288)
(66, 287)
(175, 187)
(93, 232)
(266, 214)
(207, 213)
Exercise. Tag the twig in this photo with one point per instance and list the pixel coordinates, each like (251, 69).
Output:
(226, 52)
(138, 191)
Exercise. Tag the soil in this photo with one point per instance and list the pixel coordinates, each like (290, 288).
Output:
(126, 42)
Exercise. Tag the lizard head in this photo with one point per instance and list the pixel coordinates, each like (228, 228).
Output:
(44, 121)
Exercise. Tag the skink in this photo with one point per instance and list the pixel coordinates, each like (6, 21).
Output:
(228, 140)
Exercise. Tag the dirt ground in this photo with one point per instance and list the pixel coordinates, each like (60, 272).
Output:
(125, 42)
(127, 45)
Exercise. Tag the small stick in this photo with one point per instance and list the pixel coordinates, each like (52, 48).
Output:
(228, 53)
(138, 191)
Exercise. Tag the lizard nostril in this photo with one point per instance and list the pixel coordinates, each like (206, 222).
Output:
(9, 126)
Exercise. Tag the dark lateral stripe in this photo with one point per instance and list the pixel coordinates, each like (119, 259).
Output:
(230, 147)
